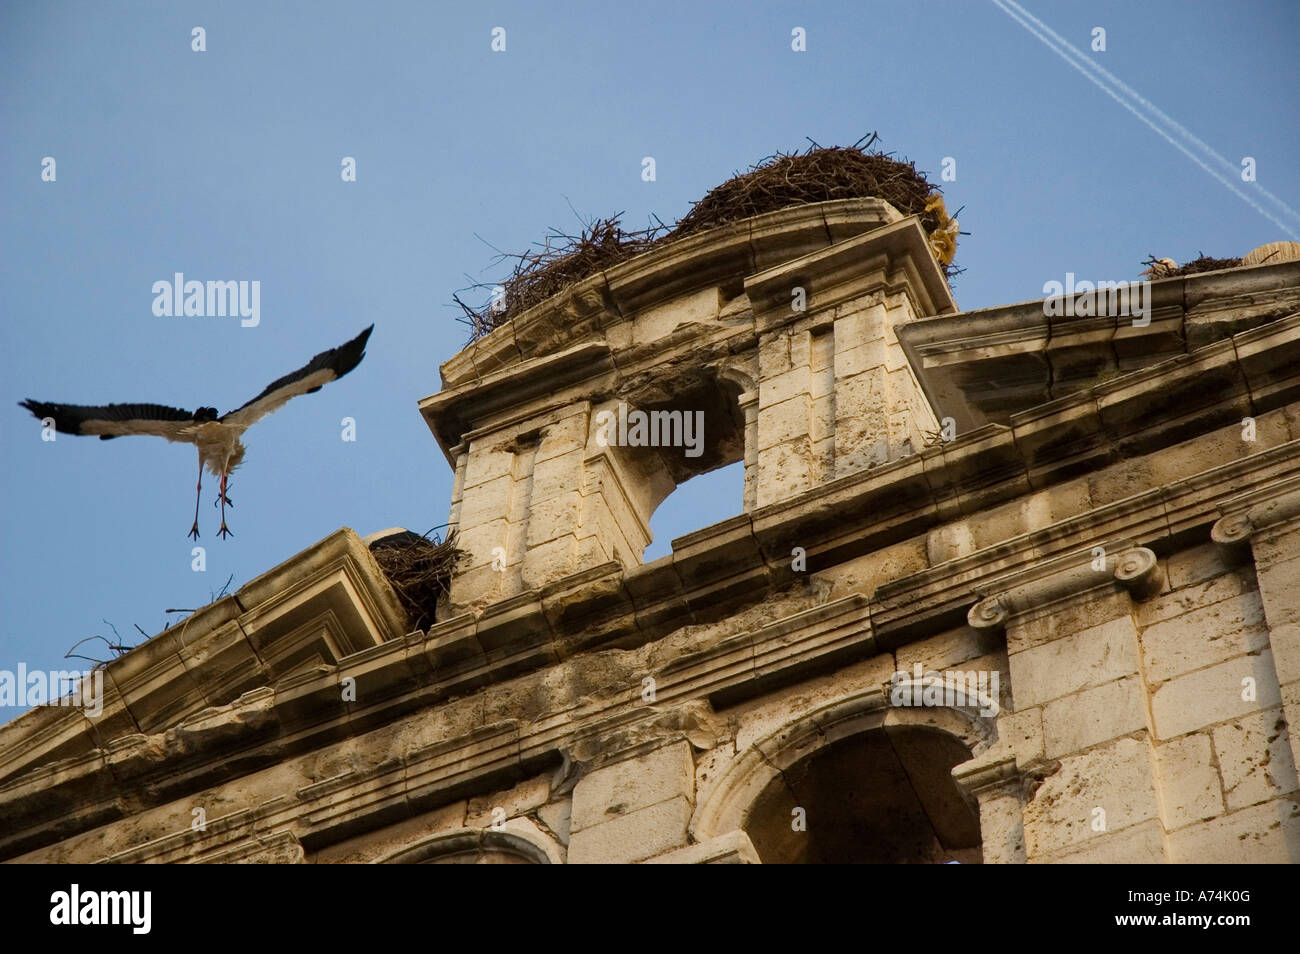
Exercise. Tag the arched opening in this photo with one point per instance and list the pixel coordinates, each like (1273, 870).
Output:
(471, 846)
(688, 488)
(695, 504)
(854, 779)
(885, 796)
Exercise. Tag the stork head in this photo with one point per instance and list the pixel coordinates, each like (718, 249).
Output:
(205, 414)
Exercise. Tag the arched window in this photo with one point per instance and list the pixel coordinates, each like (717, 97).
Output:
(885, 796)
(471, 846)
(855, 780)
(700, 501)
(705, 483)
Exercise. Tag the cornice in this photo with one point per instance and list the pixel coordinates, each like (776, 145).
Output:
(985, 365)
(1255, 512)
(721, 256)
(1136, 569)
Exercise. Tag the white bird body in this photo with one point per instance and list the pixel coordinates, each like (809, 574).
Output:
(220, 449)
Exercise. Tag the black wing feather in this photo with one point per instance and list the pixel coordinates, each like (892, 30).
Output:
(142, 418)
(325, 367)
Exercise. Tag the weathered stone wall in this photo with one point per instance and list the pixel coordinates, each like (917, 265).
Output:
(1120, 566)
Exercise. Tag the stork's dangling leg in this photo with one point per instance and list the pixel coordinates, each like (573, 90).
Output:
(224, 531)
(198, 492)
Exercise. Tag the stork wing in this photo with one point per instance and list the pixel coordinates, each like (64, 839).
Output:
(319, 371)
(117, 420)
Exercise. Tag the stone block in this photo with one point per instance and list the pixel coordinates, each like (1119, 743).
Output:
(553, 517)
(1195, 564)
(860, 358)
(478, 543)
(565, 436)
(547, 562)
(1285, 643)
(1214, 694)
(1189, 785)
(1067, 617)
(1259, 835)
(556, 476)
(946, 650)
(1141, 844)
(1194, 596)
(784, 471)
(480, 585)
(782, 387)
(1203, 637)
(557, 816)
(773, 355)
(633, 837)
(487, 460)
(1091, 657)
(783, 422)
(1020, 734)
(634, 783)
(1115, 778)
(659, 321)
(486, 502)
(1255, 758)
(484, 810)
(1078, 721)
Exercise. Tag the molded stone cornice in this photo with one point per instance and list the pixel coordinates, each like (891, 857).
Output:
(986, 365)
(1262, 509)
(1134, 568)
(327, 603)
(895, 258)
(722, 256)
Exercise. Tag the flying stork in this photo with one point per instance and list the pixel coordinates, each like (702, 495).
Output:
(217, 438)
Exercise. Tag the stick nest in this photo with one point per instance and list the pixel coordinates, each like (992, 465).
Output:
(817, 175)
(419, 570)
(1203, 264)
(783, 180)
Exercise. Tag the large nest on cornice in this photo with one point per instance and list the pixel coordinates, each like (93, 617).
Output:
(549, 268)
(783, 180)
(817, 175)
(419, 570)
(1203, 263)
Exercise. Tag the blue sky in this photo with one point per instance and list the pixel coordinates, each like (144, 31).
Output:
(225, 165)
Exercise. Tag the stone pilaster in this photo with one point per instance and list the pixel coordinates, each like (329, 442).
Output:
(1073, 774)
(835, 393)
(1265, 527)
(636, 794)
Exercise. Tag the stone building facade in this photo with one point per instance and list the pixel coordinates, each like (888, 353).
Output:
(1003, 587)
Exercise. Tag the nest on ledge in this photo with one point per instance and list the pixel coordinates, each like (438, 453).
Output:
(783, 180)
(419, 571)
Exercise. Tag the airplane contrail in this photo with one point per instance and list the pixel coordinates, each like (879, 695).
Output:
(1115, 81)
(1229, 183)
